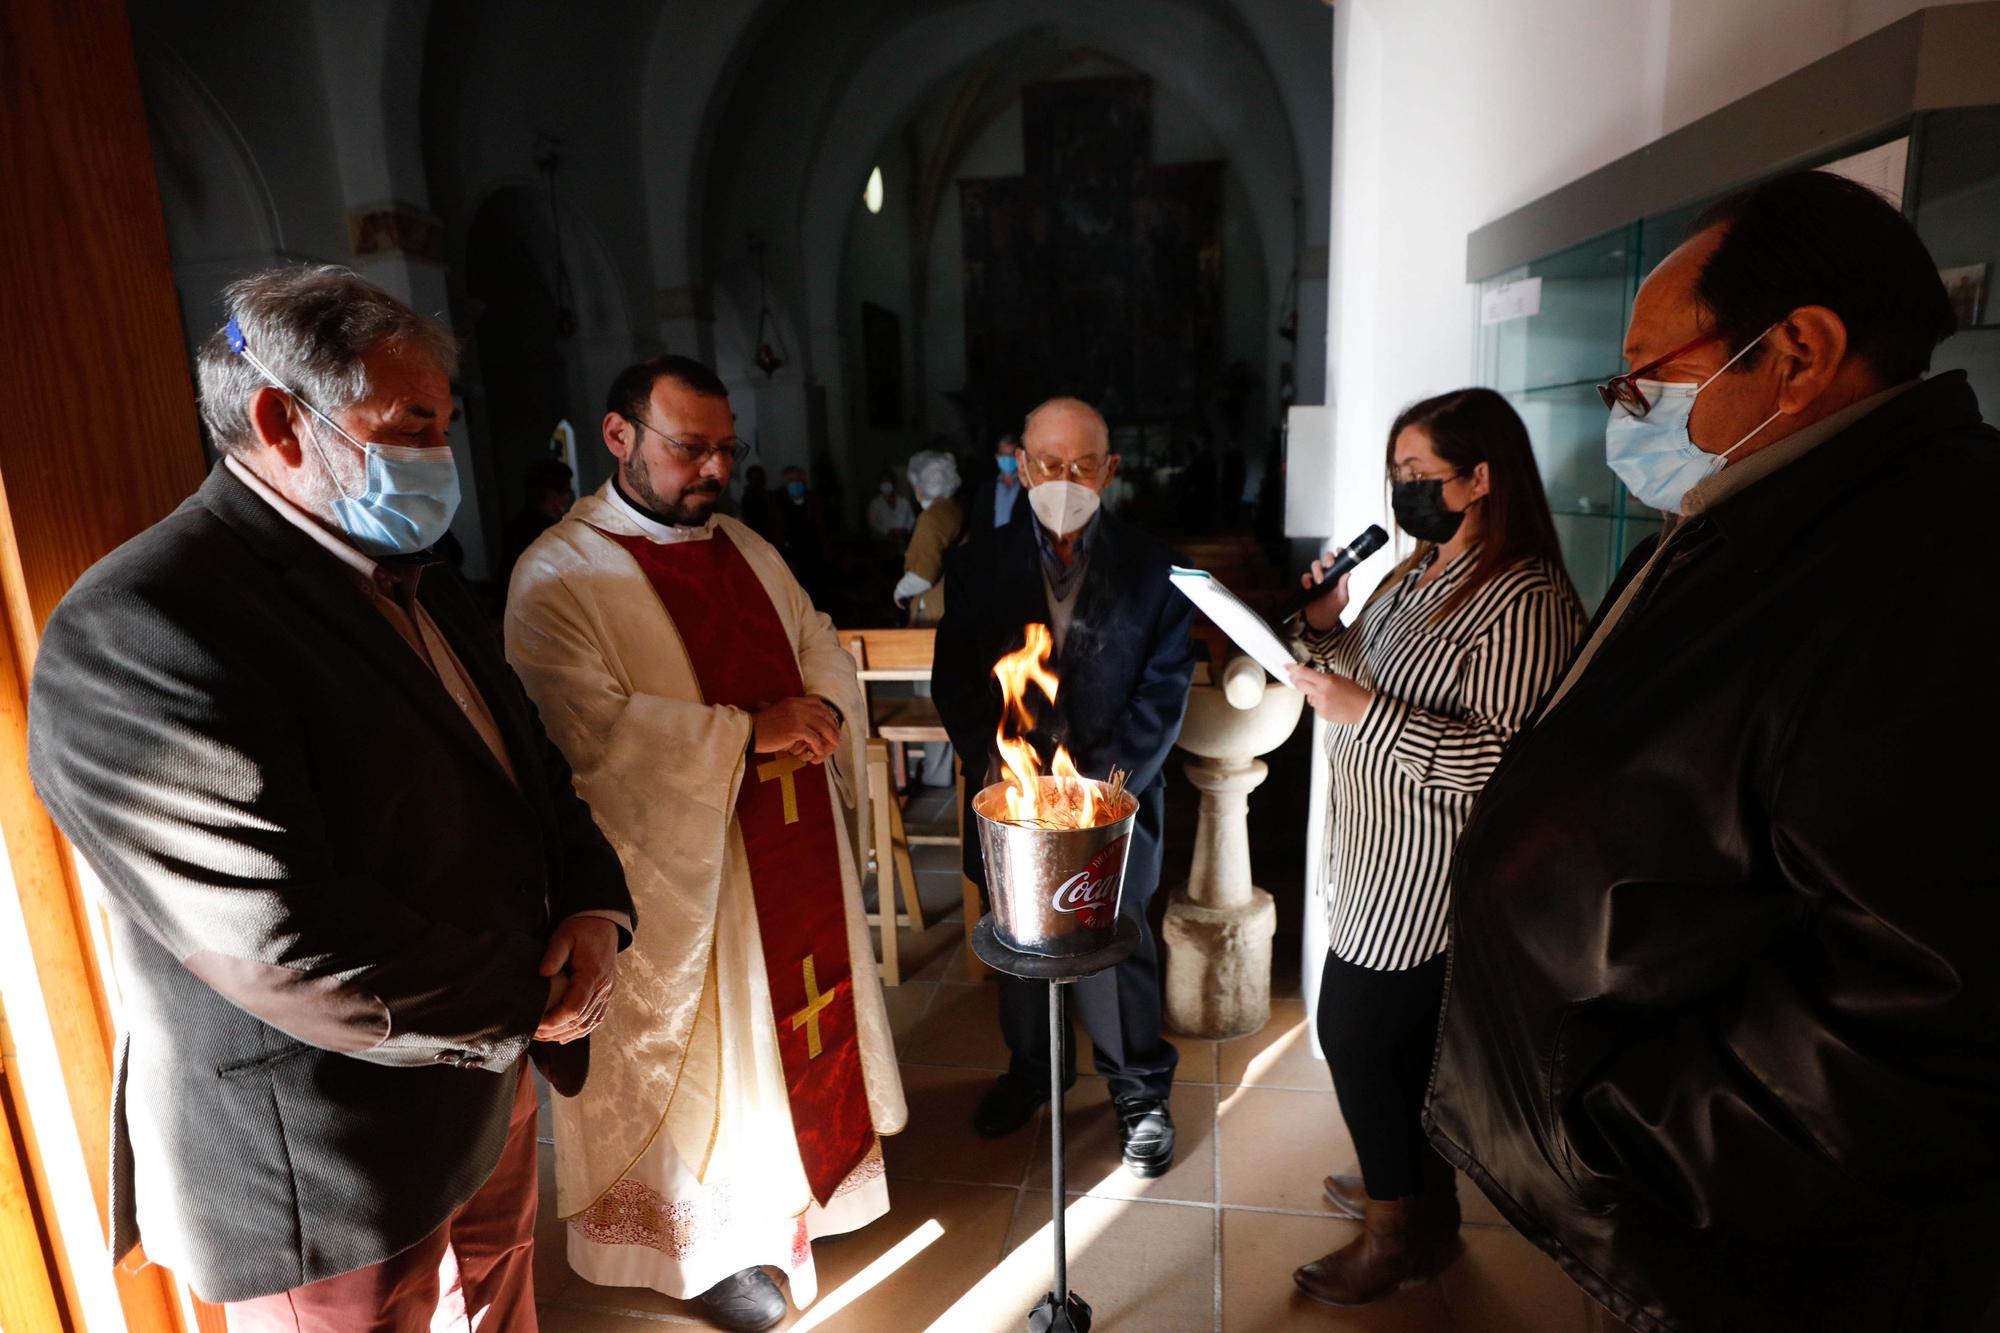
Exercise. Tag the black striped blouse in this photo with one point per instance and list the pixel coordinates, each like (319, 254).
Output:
(1448, 697)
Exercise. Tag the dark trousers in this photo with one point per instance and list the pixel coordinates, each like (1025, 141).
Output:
(1119, 1008)
(1379, 1031)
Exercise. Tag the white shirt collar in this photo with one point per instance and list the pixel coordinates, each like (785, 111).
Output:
(354, 558)
(651, 528)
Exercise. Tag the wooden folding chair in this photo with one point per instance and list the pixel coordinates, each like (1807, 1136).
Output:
(881, 842)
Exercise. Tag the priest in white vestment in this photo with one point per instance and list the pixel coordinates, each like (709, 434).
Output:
(745, 1068)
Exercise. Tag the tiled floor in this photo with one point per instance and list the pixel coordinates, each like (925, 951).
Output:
(1209, 1246)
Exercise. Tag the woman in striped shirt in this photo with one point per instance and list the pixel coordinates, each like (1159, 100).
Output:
(1423, 691)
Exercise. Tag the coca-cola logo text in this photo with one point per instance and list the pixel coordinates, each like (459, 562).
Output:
(1092, 892)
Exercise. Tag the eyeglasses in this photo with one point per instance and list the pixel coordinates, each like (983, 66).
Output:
(732, 451)
(1623, 390)
(1400, 475)
(1054, 469)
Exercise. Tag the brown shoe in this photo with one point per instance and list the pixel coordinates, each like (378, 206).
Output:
(1346, 1195)
(1398, 1245)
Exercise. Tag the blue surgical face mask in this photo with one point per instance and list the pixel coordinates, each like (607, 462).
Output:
(1009, 465)
(408, 495)
(407, 502)
(796, 489)
(1654, 455)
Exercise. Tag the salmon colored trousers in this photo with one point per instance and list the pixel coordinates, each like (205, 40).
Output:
(474, 1274)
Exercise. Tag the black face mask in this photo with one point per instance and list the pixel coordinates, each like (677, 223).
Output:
(1420, 509)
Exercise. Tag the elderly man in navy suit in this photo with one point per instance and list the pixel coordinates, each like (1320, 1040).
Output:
(1125, 656)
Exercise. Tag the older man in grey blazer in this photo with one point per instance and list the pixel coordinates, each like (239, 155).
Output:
(347, 878)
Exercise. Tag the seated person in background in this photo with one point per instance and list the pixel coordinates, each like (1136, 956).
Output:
(940, 526)
(1125, 655)
(1725, 979)
(551, 489)
(993, 500)
(889, 514)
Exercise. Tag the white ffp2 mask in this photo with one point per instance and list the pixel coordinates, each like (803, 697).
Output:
(1062, 506)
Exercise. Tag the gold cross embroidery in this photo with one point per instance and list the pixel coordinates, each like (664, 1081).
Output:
(808, 1017)
(782, 769)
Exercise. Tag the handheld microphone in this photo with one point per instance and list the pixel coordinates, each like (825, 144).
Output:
(1367, 544)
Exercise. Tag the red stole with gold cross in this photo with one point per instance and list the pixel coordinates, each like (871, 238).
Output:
(742, 656)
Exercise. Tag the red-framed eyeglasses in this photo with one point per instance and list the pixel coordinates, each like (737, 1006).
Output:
(1623, 390)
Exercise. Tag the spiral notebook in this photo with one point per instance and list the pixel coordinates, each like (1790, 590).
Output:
(1245, 628)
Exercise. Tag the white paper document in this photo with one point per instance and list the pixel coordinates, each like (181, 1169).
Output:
(1248, 630)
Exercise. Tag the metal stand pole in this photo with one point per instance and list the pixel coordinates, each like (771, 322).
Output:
(1057, 1031)
(1062, 1310)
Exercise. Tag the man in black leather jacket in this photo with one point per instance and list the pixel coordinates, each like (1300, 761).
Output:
(1723, 1028)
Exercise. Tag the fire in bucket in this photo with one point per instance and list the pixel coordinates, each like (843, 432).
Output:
(1055, 843)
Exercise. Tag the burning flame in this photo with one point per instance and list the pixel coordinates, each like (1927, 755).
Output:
(1072, 800)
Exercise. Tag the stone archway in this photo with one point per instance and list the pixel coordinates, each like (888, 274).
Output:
(546, 348)
(221, 222)
(1201, 58)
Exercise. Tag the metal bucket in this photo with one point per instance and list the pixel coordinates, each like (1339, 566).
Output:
(1055, 892)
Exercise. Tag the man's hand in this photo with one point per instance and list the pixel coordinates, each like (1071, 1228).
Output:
(803, 726)
(1335, 698)
(581, 963)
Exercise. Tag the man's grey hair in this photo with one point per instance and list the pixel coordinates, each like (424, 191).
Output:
(311, 324)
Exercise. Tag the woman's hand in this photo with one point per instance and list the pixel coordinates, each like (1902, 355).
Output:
(1324, 611)
(1335, 698)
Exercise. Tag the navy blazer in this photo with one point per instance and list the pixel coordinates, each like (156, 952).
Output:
(1125, 666)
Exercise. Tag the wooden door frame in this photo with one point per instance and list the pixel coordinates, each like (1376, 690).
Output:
(101, 440)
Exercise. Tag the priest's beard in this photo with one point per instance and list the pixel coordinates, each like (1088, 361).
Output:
(688, 508)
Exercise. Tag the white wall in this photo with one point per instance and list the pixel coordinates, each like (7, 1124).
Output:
(1449, 114)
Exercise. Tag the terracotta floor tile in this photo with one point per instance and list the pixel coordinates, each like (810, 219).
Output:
(940, 954)
(1259, 1252)
(1144, 1267)
(1278, 1057)
(962, 1030)
(906, 1004)
(900, 1271)
(1503, 1284)
(940, 1144)
(1276, 1145)
(906, 1270)
(1091, 1158)
(561, 1318)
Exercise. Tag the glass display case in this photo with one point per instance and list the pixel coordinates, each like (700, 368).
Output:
(1549, 365)
(1942, 166)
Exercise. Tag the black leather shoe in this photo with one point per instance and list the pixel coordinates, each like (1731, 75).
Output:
(744, 1302)
(1008, 1105)
(1146, 1134)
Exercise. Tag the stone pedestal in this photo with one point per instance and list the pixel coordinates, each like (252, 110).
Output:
(1219, 925)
